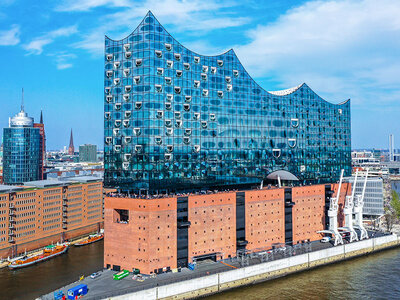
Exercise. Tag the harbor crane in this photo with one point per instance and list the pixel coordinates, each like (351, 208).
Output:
(348, 213)
(358, 210)
(332, 214)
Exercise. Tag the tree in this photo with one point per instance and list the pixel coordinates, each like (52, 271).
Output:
(395, 204)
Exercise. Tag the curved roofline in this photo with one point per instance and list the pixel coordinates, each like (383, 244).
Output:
(274, 93)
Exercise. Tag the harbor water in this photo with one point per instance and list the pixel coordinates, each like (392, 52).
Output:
(375, 276)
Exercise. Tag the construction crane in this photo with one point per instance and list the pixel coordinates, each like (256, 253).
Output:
(358, 210)
(332, 214)
(348, 213)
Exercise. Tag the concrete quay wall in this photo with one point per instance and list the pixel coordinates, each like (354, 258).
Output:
(215, 283)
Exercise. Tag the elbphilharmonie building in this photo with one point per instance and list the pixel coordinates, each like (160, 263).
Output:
(175, 119)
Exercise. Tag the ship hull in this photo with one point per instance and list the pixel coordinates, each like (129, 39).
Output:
(24, 265)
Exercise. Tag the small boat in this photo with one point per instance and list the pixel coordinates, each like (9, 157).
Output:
(47, 253)
(91, 239)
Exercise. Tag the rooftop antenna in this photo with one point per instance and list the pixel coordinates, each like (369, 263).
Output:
(22, 102)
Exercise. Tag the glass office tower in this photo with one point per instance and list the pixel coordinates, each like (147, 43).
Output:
(175, 119)
(21, 153)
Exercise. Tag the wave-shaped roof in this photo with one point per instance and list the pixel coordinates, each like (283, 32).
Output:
(232, 55)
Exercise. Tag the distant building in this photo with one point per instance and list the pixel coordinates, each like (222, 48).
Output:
(42, 157)
(391, 147)
(373, 200)
(22, 152)
(71, 148)
(88, 153)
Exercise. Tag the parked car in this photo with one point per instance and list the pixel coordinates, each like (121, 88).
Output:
(95, 275)
(325, 239)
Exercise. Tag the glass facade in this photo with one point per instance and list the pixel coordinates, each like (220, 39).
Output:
(21, 155)
(174, 119)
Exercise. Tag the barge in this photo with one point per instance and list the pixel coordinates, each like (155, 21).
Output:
(91, 239)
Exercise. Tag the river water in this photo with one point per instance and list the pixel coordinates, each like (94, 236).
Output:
(376, 276)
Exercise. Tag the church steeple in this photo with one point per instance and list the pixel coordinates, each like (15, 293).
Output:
(71, 148)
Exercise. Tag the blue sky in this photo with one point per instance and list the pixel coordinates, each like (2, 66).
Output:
(341, 49)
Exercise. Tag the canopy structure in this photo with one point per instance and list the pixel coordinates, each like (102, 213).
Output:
(282, 175)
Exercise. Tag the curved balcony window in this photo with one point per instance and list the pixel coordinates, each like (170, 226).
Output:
(158, 88)
(127, 156)
(138, 148)
(117, 148)
(236, 73)
(213, 70)
(188, 132)
(220, 63)
(128, 55)
(179, 73)
(170, 148)
(196, 116)
(186, 106)
(107, 90)
(108, 140)
(168, 47)
(204, 124)
(276, 153)
(168, 106)
(117, 106)
(125, 165)
(117, 81)
(177, 56)
(168, 156)
(196, 83)
(138, 62)
(170, 64)
(205, 93)
(186, 140)
(109, 98)
(177, 115)
(177, 90)
(127, 47)
(109, 57)
(170, 97)
(117, 123)
(292, 143)
(127, 139)
(203, 76)
(116, 131)
(126, 123)
(107, 115)
(169, 131)
(188, 99)
(159, 114)
(196, 148)
(205, 69)
(117, 64)
(186, 66)
(136, 79)
(212, 117)
(127, 72)
(158, 53)
(126, 97)
(136, 131)
(220, 94)
(228, 79)
(160, 71)
(196, 59)
(158, 140)
(168, 123)
(294, 122)
(109, 74)
(128, 114)
(128, 89)
(168, 80)
(229, 87)
(138, 105)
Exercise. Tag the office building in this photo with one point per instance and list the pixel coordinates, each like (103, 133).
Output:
(88, 153)
(22, 150)
(175, 119)
(42, 146)
(48, 211)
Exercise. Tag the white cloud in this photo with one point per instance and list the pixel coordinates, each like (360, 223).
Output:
(63, 60)
(343, 48)
(36, 45)
(10, 37)
(85, 5)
